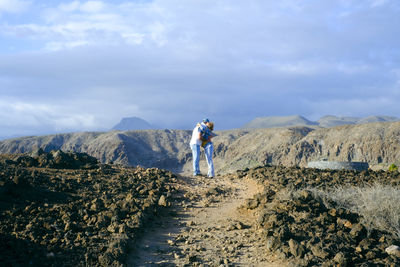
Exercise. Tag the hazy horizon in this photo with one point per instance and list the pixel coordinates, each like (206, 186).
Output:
(156, 126)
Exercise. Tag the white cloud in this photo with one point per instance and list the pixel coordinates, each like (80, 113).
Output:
(41, 117)
(87, 7)
(69, 7)
(13, 6)
(92, 6)
(54, 46)
(94, 23)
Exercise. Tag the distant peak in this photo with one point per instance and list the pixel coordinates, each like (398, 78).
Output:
(132, 123)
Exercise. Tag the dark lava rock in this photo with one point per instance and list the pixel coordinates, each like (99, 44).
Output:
(65, 209)
(305, 229)
(55, 159)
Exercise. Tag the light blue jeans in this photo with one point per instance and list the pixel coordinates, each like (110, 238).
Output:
(196, 158)
(208, 149)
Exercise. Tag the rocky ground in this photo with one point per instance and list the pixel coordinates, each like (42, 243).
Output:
(207, 227)
(305, 230)
(249, 219)
(64, 209)
(67, 209)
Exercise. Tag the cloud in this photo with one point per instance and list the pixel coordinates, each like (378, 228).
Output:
(174, 62)
(76, 23)
(13, 6)
(69, 7)
(18, 117)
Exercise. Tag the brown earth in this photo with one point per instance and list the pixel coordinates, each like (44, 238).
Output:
(206, 227)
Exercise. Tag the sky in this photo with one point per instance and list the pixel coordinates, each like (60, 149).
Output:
(70, 66)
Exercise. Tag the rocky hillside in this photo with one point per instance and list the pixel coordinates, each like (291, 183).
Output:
(146, 148)
(375, 143)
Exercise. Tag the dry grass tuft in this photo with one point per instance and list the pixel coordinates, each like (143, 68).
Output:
(378, 205)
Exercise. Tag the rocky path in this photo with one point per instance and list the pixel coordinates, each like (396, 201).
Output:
(205, 226)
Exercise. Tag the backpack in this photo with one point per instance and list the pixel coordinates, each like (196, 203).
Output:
(205, 134)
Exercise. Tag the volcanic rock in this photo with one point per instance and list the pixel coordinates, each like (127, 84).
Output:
(308, 230)
(66, 209)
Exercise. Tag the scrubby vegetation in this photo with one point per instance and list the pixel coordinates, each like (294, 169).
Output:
(378, 204)
(393, 167)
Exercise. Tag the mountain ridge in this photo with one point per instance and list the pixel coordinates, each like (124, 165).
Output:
(325, 121)
(375, 143)
(278, 121)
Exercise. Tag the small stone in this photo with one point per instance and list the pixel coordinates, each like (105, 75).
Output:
(318, 251)
(304, 193)
(332, 227)
(357, 231)
(112, 228)
(296, 249)
(162, 201)
(251, 204)
(231, 228)
(348, 224)
(332, 212)
(340, 259)
(370, 255)
(393, 250)
(271, 243)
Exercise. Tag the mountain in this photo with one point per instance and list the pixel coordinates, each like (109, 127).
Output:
(375, 143)
(325, 122)
(278, 121)
(378, 119)
(332, 121)
(132, 123)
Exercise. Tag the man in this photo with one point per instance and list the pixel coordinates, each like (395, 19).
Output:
(195, 144)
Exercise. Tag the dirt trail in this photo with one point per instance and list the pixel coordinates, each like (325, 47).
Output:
(205, 226)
